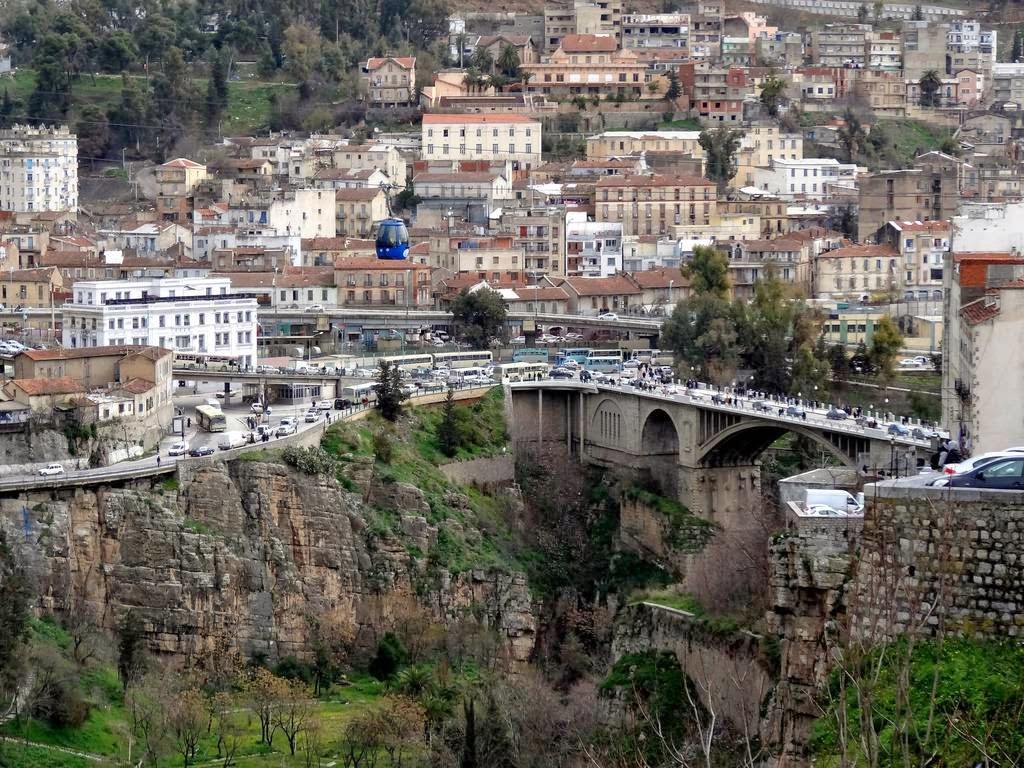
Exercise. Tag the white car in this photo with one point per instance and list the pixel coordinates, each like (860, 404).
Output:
(517, 340)
(52, 469)
(315, 308)
(975, 462)
(312, 415)
(256, 407)
(286, 427)
(178, 449)
(607, 316)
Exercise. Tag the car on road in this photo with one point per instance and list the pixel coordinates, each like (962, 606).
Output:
(971, 464)
(866, 421)
(266, 368)
(52, 469)
(574, 337)
(562, 373)
(312, 416)
(836, 414)
(898, 430)
(796, 411)
(760, 405)
(201, 450)
(919, 433)
(229, 393)
(517, 340)
(718, 399)
(286, 427)
(1001, 474)
(256, 407)
(315, 308)
(607, 316)
(177, 449)
(341, 403)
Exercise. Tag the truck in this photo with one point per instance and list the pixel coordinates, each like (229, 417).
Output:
(844, 501)
(232, 439)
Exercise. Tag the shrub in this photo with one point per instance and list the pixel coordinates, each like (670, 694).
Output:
(309, 461)
(382, 448)
(390, 657)
(291, 668)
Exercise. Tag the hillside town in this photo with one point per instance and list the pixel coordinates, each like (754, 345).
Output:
(754, 269)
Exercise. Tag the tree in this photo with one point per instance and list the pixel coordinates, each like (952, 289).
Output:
(862, 14)
(771, 89)
(294, 713)
(508, 61)
(188, 719)
(131, 649)
(479, 316)
(14, 624)
(846, 220)
(265, 690)
(301, 49)
(675, 89)
(720, 146)
(838, 362)
(886, 343)
(851, 135)
(772, 318)
(448, 429)
(147, 703)
(217, 88)
(1017, 50)
(704, 333)
(93, 132)
(930, 85)
(708, 272)
(879, 8)
(918, 13)
(482, 60)
(6, 110)
(390, 394)
(117, 52)
(390, 657)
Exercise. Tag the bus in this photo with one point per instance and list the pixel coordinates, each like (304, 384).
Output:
(204, 362)
(604, 363)
(524, 371)
(603, 353)
(356, 392)
(211, 419)
(479, 358)
(410, 361)
(530, 355)
(579, 354)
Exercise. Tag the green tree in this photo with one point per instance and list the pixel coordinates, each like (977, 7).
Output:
(675, 88)
(1017, 49)
(6, 110)
(839, 362)
(14, 621)
(862, 13)
(879, 8)
(846, 220)
(918, 13)
(704, 333)
(448, 429)
(93, 130)
(390, 657)
(117, 52)
(720, 146)
(508, 62)
(493, 743)
(851, 135)
(483, 60)
(390, 395)
(708, 272)
(771, 89)
(772, 314)
(131, 649)
(930, 85)
(217, 88)
(886, 343)
(131, 114)
(301, 49)
(479, 316)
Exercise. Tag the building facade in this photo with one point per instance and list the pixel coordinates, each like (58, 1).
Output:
(652, 205)
(390, 81)
(38, 169)
(455, 138)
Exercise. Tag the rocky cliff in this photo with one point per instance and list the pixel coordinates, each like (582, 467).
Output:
(246, 552)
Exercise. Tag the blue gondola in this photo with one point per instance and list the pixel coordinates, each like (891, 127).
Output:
(392, 239)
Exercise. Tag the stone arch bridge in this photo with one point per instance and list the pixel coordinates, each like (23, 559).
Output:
(703, 453)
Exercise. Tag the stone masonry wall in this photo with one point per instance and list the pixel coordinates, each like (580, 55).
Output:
(486, 473)
(934, 561)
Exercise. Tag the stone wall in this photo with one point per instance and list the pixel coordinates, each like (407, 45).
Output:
(934, 561)
(488, 473)
(730, 670)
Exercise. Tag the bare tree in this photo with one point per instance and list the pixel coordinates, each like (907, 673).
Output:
(264, 691)
(187, 717)
(293, 713)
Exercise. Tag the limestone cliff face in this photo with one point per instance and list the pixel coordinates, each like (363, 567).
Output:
(247, 552)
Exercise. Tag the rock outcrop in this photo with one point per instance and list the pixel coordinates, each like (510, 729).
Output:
(248, 552)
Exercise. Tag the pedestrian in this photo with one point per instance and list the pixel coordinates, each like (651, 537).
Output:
(188, 422)
(158, 458)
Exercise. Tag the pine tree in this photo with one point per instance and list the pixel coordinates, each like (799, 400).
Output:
(131, 649)
(448, 429)
(389, 391)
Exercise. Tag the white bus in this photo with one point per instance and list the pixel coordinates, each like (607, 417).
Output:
(607, 363)
(411, 361)
(205, 362)
(356, 392)
(211, 419)
(604, 354)
(524, 371)
(479, 358)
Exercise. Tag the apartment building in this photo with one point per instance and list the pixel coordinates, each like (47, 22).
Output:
(454, 138)
(300, 212)
(176, 181)
(389, 81)
(540, 232)
(750, 259)
(199, 315)
(38, 169)
(471, 196)
(656, 30)
(365, 281)
(589, 65)
(651, 205)
(761, 144)
(923, 247)
(495, 45)
(356, 157)
(913, 194)
(781, 49)
(855, 272)
(840, 45)
(885, 91)
(809, 177)
(359, 211)
(717, 94)
(592, 248)
(707, 23)
(581, 17)
(33, 287)
(634, 143)
(924, 48)
(147, 238)
(883, 49)
(463, 252)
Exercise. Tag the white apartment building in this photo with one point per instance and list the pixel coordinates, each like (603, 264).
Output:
(656, 30)
(497, 137)
(304, 213)
(38, 169)
(201, 315)
(592, 248)
(809, 177)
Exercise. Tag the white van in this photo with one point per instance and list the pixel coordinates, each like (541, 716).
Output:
(213, 402)
(232, 440)
(844, 501)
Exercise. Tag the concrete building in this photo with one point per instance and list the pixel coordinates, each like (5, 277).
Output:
(913, 194)
(202, 316)
(1008, 84)
(857, 272)
(590, 65)
(840, 45)
(147, 238)
(611, 144)
(924, 48)
(656, 30)
(365, 281)
(595, 295)
(470, 196)
(30, 287)
(360, 210)
(649, 205)
(717, 93)
(810, 177)
(782, 49)
(300, 212)
(581, 17)
(389, 81)
(176, 181)
(788, 257)
(38, 169)
(592, 248)
(883, 49)
(495, 45)
(923, 247)
(540, 232)
(454, 138)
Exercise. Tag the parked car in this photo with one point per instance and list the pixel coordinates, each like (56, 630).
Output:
(718, 399)
(607, 316)
(341, 403)
(836, 414)
(286, 427)
(975, 462)
(312, 416)
(315, 308)
(201, 450)
(177, 449)
(229, 393)
(52, 469)
(898, 430)
(266, 369)
(1002, 474)
(562, 373)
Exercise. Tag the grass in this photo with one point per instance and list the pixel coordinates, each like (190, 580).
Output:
(668, 598)
(689, 124)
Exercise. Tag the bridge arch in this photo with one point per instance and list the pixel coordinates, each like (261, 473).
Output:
(608, 425)
(740, 444)
(658, 454)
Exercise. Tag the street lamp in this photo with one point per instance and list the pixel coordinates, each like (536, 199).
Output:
(892, 456)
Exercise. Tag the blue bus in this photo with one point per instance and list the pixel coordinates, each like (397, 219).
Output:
(531, 355)
(609, 362)
(578, 354)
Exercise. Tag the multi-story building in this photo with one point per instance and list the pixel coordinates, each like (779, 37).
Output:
(479, 253)
(589, 65)
(707, 23)
(781, 49)
(883, 49)
(619, 143)
(592, 248)
(201, 315)
(913, 194)
(856, 272)
(176, 181)
(38, 169)
(495, 45)
(390, 81)
(540, 233)
(651, 205)
(300, 212)
(885, 91)
(147, 238)
(656, 30)
(840, 45)
(581, 17)
(30, 287)
(365, 281)
(809, 177)
(923, 246)
(471, 196)
(355, 157)
(924, 48)
(716, 93)
(453, 138)
(360, 210)
(761, 145)
(1008, 83)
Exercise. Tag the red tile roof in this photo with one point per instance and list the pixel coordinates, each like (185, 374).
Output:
(540, 293)
(660, 278)
(655, 180)
(437, 119)
(137, 386)
(617, 285)
(62, 385)
(356, 194)
(182, 162)
(406, 62)
(588, 44)
(74, 353)
(860, 251)
(979, 311)
(921, 226)
(373, 263)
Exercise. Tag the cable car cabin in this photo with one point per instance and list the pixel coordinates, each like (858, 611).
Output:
(392, 239)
